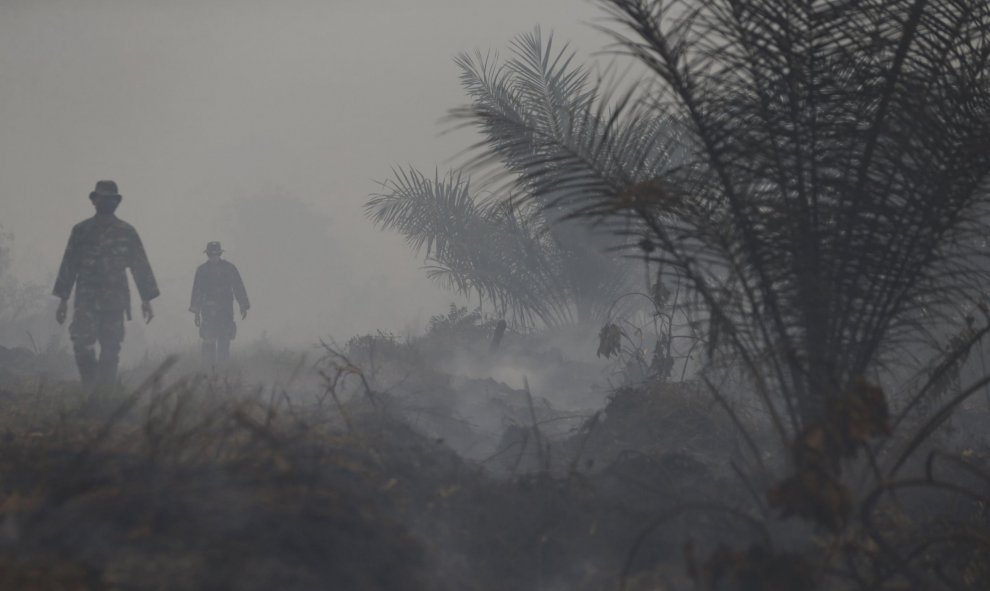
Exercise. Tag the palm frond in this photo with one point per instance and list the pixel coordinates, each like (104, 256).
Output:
(492, 250)
(555, 135)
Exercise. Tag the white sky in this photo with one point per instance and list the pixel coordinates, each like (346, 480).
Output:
(194, 106)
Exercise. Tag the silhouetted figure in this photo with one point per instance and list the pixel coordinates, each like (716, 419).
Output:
(99, 250)
(215, 287)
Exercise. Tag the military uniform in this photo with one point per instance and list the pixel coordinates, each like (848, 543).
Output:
(99, 251)
(215, 287)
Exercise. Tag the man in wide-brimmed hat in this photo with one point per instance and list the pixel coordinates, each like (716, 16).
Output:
(216, 285)
(100, 250)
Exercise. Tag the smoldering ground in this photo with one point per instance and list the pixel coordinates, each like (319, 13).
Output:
(361, 446)
(372, 465)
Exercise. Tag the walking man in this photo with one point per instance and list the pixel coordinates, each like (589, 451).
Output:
(100, 249)
(216, 285)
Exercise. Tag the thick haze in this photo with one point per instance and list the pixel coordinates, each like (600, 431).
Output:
(261, 124)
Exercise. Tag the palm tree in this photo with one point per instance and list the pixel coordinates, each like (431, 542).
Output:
(522, 247)
(829, 185)
(827, 206)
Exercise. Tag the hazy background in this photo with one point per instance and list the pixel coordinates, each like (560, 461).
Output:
(264, 125)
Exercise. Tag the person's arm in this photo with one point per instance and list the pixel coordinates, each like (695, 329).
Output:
(240, 294)
(144, 278)
(69, 269)
(196, 299)
(67, 273)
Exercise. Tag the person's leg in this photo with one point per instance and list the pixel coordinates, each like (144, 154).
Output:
(223, 350)
(209, 352)
(207, 332)
(111, 334)
(83, 333)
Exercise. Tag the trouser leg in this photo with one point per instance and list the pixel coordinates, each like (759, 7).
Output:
(83, 333)
(85, 361)
(111, 334)
(106, 368)
(223, 350)
(209, 352)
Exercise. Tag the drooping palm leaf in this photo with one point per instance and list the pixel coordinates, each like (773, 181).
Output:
(490, 250)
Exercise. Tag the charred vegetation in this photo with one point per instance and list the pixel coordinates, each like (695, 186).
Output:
(729, 335)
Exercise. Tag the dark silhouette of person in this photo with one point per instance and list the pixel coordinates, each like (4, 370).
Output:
(216, 285)
(99, 251)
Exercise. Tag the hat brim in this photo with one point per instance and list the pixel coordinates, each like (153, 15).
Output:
(95, 194)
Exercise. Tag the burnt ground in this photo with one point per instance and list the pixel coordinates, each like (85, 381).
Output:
(378, 467)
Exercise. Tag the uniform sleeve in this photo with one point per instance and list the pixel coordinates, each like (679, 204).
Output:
(144, 279)
(239, 292)
(196, 300)
(69, 269)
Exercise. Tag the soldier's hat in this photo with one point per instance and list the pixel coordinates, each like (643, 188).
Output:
(105, 189)
(213, 248)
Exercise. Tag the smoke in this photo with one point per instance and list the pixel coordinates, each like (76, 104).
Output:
(206, 114)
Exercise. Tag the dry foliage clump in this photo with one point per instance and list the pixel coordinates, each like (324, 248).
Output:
(201, 482)
(204, 483)
(190, 486)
